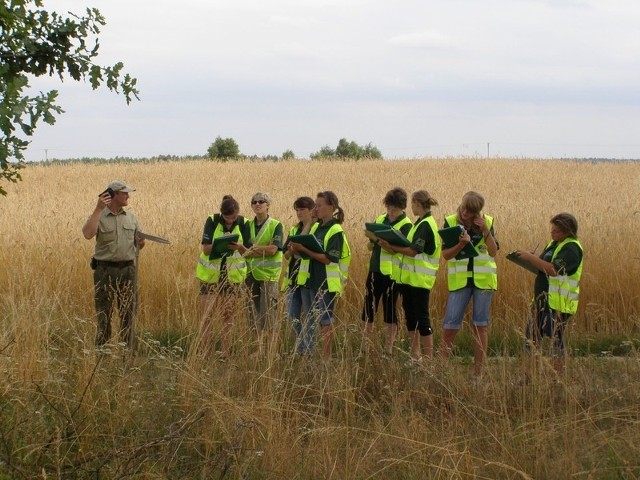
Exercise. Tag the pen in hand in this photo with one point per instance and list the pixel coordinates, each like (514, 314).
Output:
(535, 248)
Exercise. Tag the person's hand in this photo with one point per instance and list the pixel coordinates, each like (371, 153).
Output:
(251, 252)
(103, 201)
(464, 238)
(385, 245)
(480, 222)
(294, 247)
(370, 235)
(140, 242)
(524, 255)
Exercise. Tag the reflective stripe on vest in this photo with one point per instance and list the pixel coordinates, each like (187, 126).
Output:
(388, 259)
(485, 270)
(208, 271)
(286, 279)
(337, 273)
(265, 268)
(420, 271)
(565, 289)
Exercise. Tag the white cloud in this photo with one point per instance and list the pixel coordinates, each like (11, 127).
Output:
(397, 74)
(429, 38)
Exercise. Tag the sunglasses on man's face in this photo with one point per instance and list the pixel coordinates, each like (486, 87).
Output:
(255, 202)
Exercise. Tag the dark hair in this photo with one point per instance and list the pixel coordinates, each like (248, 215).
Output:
(424, 198)
(473, 202)
(304, 202)
(567, 223)
(332, 199)
(396, 197)
(229, 205)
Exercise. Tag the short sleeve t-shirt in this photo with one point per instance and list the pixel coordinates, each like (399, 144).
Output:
(423, 240)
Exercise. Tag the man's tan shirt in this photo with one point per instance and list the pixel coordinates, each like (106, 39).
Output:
(115, 237)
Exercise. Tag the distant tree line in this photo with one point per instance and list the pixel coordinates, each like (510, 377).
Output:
(228, 149)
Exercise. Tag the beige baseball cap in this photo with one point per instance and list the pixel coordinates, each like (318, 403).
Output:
(120, 186)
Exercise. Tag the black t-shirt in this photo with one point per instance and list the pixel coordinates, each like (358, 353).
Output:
(294, 261)
(424, 240)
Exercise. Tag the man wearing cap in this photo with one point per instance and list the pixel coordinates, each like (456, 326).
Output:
(114, 276)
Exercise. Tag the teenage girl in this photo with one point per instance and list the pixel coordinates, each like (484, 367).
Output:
(379, 284)
(221, 272)
(323, 274)
(417, 272)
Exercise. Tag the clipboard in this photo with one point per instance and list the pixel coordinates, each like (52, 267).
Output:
(512, 256)
(375, 227)
(394, 237)
(307, 240)
(451, 236)
(220, 245)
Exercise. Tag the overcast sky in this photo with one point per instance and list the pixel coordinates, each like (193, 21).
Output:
(531, 78)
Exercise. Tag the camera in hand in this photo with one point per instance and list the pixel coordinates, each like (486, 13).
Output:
(109, 191)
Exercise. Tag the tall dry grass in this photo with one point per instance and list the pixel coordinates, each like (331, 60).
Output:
(70, 412)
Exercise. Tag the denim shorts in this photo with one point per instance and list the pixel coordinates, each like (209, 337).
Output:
(320, 305)
(294, 302)
(457, 304)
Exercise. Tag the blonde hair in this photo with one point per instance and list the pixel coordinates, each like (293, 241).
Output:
(472, 202)
(261, 196)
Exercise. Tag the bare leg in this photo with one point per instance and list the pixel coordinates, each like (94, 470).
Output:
(390, 338)
(559, 363)
(207, 302)
(327, 338)
(368, 331)
(416, 350)
(448, 336)
(427, 345)
(480, 345)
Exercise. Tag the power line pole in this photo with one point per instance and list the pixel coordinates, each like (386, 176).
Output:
(488, 155)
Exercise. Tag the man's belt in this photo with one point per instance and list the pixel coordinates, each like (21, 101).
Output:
(107, 263)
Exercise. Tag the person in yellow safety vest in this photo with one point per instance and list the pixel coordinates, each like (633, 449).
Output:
(264, 263)
(470, 278)
(416, 272)
(323, 275)
(379, 285)
(293, 292)
(222, 271)
(557, 285)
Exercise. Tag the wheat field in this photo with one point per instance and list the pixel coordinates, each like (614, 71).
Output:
(71, 412)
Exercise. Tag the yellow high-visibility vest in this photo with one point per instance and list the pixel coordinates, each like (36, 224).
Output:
(265, 268)
(208, 271)
(420, 271)
(337, 272)
(564, 289)
(388, 259)
(485, 270)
